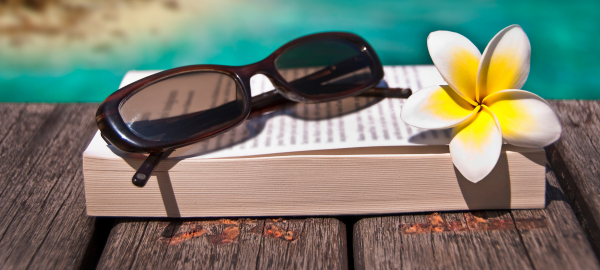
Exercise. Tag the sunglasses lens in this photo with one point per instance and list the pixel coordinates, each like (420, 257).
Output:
(325, 67)
(184, 106)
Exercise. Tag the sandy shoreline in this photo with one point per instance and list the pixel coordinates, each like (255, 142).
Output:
(57, 30)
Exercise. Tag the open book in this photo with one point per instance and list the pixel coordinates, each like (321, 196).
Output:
(351, 156)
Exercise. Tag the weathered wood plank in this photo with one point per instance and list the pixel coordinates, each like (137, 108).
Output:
(18, 140)
(314, 243)
(9, 116)
(484, 240)
(478, 240)
(43, 223)
(577, 157)
(17, 152)
(553, 237)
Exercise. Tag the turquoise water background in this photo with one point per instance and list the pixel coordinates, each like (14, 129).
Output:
(565, 39)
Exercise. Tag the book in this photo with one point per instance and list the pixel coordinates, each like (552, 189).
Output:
(346, 157)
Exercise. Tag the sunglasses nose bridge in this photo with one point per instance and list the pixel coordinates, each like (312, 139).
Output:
(245, 73)
(269, 71)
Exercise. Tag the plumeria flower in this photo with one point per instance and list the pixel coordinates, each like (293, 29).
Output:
(482, 103)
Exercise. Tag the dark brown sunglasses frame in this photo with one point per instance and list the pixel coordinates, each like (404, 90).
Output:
(116, 132)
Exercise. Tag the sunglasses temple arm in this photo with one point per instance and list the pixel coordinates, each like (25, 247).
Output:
(387, 92)
(267, 101)
(270, 100)
(141, 176)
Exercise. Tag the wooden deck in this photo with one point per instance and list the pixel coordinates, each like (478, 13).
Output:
(44, 225)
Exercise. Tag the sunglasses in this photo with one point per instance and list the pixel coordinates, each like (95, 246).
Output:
(147, 115)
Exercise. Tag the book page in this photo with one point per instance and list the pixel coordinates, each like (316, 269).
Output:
(348, 123)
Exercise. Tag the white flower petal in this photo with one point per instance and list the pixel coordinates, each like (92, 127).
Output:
(436, 107)
(526, 119)
(504, 63)
(476, 145)
(457, 60)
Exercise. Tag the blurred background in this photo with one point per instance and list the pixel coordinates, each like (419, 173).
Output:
(78, 50)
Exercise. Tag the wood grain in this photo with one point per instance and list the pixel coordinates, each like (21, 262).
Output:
(560, 243)
(42, 203)
(313, 243)
(551, 238)
(577, 157)
(439, 241)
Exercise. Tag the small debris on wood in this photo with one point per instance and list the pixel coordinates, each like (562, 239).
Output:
(436, 224)
(183, 236)
(229, 235)
(276, 232)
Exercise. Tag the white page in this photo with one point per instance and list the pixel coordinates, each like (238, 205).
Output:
(348, 123)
